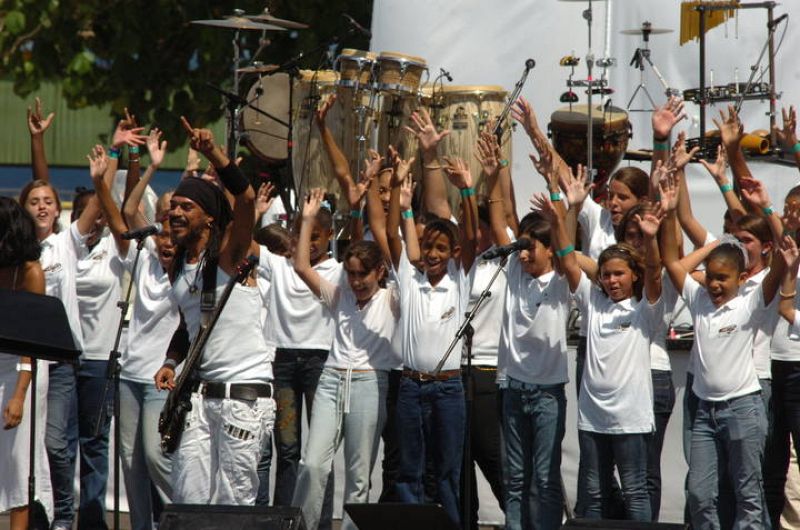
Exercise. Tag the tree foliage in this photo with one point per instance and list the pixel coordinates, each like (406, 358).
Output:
(146, 56)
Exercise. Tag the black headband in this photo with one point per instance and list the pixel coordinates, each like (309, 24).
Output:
(208, 196)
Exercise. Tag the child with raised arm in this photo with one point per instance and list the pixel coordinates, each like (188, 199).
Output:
(730, 424)
(433, 300)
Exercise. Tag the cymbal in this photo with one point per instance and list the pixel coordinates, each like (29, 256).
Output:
(581, 0)
(258, 69)
(237, 23)
(648, 30)
(266, 18)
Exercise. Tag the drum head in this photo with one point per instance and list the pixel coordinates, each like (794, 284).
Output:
(575, 118)
(264, 136)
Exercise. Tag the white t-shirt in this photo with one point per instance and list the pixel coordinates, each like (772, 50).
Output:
(235, 351)
(659, 358)
(58, 262)
(761, 344)
(431, 315)
(97, 283)
(297, 318)
(533, 344)
(264, 284)
(785, 344)
(723, 337)
(155, 317)
(597, 234)
(616, 390)
(363, 336)
(487, 326)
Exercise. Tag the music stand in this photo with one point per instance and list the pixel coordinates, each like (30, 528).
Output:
(36, 326)
(398, 516)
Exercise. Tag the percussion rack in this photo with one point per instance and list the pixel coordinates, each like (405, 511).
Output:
(704, 99)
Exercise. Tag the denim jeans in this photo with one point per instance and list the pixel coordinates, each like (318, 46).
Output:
(345, 412)
(61, 439)
(663, 401)
(264, 466)
(533, 427)
(600, 452)
(430, 420)
(728, 435)
(296, 374)
(391, 453)
(142, 460)
(93, 449)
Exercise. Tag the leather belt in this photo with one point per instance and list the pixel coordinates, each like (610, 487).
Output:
(243, 391)
(444, 375)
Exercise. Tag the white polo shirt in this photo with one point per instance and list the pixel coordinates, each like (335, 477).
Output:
(723, 337)
(785, 344)
(431, 315)
(486, 338)
(616, 390)
(659, 358)
(533, 345)
(97, 283)
(58, 260)
(297, 318)
(597, 234)
(762, 356)
(363, 336)
(155, 317)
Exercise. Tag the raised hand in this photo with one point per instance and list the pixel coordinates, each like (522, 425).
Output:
(125, 134)
(730, 128)
(649, 223)
(407, 193)
(156, 148)
(522, 112)
(754, 192)
(667, 116)
(487, 153)
(322, 111)
(425, 130)
(718, 169)
(458, 173)
(789, 251)
(356, 191)
(576, 187)
(37, 125)
(372, 165)
(545, 164)
(668, 186)
(313, 203)
(542, 204)
(787, 135)
(680, 156)
(199, 139)
(264, 198)
(98, 162)
(192, 161)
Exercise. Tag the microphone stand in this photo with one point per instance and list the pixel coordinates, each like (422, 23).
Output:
(498, 128)
(112, 378)
(466, 330)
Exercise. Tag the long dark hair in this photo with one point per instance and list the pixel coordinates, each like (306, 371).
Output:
(38, 183)
(631, 257)
(18, 241)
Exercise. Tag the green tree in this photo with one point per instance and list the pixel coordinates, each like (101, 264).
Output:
(146, 56)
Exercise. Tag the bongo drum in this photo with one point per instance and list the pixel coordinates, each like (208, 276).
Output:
(355, 68)
(398, 73)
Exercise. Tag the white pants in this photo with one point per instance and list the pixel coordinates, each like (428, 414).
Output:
(217, 459)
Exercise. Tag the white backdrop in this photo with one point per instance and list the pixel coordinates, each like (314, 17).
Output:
(484, 43)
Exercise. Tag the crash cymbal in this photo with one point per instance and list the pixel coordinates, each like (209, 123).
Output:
(266, 18)
(237, 23)
(581, 0)
(646, 28)
(258, 69)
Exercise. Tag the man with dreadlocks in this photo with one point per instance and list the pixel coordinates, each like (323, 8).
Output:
(232, 407)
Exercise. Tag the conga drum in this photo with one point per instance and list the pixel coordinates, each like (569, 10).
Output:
(398, 73)
(355, 68)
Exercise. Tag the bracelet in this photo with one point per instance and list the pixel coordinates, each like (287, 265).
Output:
(796, 148)
(113, 152)
(24, 367)
(661, 146)
(432, 166)
(787, 295)
(504, 162)
(407, 214)
(767, 211)
(133, 150)
(133, 159)
(564, 251)
(555, 196)
(725, 188)
(467, 192)
(172, 363)
(490, 201)
(356, 214)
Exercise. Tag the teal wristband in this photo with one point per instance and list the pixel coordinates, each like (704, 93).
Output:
(725, 188)
(467, 192)
(564, 251)
(113, 152)
(356, 214)
(796, 148)
(133, 150)
(504, 162)
(556, 196)
(407, 214)
(660, 146)
(767, 211)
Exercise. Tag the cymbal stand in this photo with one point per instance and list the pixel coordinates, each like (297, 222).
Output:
(640, 57)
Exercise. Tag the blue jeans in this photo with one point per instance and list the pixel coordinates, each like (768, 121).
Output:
(93, 449)
(264, 466)
(728, 435)
(533, 427)
(786, 415)
(61, 439)
(600, 452)
(663, 401)
(430, 419)
(391, 453)
(142, 461)
(351, 416)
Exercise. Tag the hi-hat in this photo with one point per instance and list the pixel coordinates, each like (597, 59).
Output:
(648, 29)
(581, 0)
(258, 69)
(266, 18)
(237, 23)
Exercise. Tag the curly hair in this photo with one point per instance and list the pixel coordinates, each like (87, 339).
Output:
(631, 257)
(18, 241)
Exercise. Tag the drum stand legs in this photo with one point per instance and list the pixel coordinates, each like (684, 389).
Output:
(637, 60)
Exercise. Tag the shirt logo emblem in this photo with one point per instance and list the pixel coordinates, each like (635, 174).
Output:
(55, 267)
(449, 313)
(727, 330)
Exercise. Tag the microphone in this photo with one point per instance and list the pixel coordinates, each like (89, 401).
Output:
(355, 25)
(529, 64)
(501, 252)
(446, 74)
(141, 233)
(777, 21)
